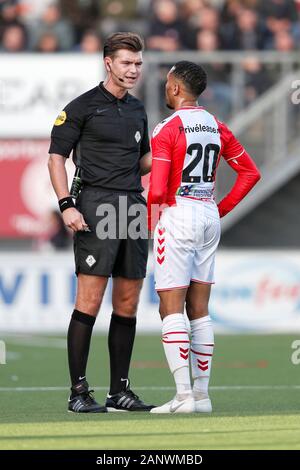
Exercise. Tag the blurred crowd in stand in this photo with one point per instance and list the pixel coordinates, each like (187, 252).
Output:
(167, 25)
(48, 26)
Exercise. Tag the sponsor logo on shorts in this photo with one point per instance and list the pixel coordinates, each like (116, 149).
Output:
(90, 260)
(137, 136)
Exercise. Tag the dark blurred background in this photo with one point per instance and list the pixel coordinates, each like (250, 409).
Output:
(51, 51)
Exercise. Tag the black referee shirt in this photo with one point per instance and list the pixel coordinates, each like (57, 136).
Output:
(108, 136)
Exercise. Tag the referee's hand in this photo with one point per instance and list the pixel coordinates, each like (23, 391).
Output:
(74, 220)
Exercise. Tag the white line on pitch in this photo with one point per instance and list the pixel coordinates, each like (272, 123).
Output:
(216, 387)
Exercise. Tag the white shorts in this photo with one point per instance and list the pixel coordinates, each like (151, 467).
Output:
(185, 243)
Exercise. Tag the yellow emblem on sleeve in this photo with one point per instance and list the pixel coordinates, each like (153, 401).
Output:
(61, 118)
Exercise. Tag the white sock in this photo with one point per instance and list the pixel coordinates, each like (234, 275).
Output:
(202, 346)
(176, 344)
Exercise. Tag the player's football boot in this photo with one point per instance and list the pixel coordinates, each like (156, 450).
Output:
(181, 403)
(203, 403)
(82, 400)
(126, 401)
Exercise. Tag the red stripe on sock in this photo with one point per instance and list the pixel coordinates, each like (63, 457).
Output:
(200, 353)
(164, 341)
(176, 333)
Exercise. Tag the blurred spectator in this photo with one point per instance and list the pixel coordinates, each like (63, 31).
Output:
(119, 15)
(191, 8)
(257, 80)
(278, 9)
(53, 23)
(283, 41)
(83, 15)
(246, 33)
(165, 28)
(207, 41)
(280, 16)
(90, 42)
(9, 13)
(206, 18)
(230, 10)
(9, 16)
(13, 39)
(48, 43)
(119, 8)
(32, 10)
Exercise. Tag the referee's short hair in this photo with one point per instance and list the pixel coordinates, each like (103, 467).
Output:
(192, 75)
(122, 40)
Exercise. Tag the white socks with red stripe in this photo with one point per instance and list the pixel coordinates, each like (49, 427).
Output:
(202, 346)
(177, 347)
(176, 343)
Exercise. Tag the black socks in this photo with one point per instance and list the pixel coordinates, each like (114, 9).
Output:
(120, 343)
(79, 338)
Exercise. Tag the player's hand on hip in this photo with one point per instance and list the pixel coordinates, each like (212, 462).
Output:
(74, 220)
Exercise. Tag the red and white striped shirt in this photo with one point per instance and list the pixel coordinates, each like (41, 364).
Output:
(186, 150)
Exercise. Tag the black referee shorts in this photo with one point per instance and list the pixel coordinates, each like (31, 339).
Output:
(117, 244)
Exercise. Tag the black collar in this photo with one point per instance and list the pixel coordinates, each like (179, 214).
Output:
(110, 96)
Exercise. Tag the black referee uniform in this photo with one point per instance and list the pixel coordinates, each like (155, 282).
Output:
(108, 137)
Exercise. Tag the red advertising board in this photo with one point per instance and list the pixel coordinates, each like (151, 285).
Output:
(25, 190)
(26, 193)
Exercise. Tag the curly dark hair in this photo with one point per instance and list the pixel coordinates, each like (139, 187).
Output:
(192, 75)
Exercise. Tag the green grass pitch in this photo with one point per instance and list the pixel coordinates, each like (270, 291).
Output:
(255, 391)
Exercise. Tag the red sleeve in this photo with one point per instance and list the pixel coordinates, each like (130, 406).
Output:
(231, 147)
(239, 160)
(162, 141)
(161, 146)
(247, 176)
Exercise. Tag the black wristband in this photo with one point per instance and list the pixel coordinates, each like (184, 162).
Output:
(65, 203)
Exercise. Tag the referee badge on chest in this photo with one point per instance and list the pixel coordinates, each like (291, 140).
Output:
(137, 136)
(90, 260)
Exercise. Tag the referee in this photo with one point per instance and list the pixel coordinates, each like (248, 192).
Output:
(106, 128)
